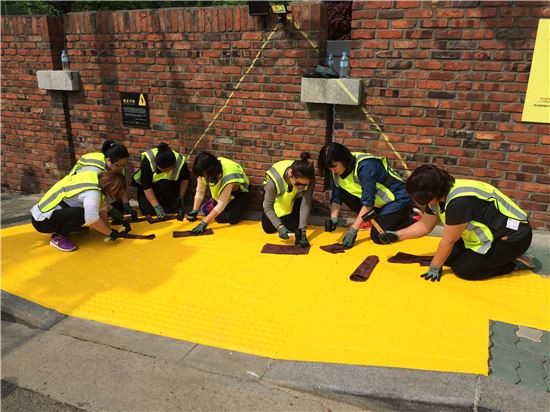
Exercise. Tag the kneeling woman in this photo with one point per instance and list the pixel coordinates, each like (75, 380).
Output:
(75, 201)
(162, 181)
(365, 182)
(114, 157)
(228, 186)
(288, 194)
(484, 233)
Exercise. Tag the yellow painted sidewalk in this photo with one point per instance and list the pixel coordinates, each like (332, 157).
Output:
(220, 291)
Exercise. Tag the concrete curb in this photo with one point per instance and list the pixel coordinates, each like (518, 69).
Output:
(374, 388)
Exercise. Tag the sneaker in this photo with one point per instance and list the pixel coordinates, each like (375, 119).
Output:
(207, 207)
(62, 243)
(417, 214)
(81, 229)
(524, 262)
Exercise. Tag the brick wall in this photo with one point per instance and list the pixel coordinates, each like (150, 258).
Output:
(35, 148)
(446, 81)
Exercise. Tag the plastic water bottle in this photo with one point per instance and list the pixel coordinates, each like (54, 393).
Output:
(65, 60)
(344, 66)
(330, 60)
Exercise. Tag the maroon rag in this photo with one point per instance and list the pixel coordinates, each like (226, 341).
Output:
(402, 257)
(153, 220)
(363, 271)
(285, 250)
(133, 236)
(334, 248)
(186, 233)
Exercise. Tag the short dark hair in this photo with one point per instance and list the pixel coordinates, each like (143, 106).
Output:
(335, 152)
(208, 166)
(114, 151)
(303, 168)
(165, 156)
(428, 182)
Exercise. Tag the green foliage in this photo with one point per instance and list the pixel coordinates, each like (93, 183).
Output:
(62, 7)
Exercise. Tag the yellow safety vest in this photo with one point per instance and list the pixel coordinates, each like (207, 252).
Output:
(171, 174)
(284, 202)
(67, 187)
(96, 159)
(477, 236)
(352, 184)
(232, 172)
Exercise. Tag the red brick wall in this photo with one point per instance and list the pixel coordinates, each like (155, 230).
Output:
(35, 150)
(446, 81)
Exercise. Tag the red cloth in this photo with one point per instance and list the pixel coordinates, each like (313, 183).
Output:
(364, 270)
(334, 248)
(186, 233)
(402, 257)
(285, 250)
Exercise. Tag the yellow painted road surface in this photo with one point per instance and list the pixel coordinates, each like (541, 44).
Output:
(220, 291)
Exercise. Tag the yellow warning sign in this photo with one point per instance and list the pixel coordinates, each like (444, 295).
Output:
(142, 100)
(537, 100)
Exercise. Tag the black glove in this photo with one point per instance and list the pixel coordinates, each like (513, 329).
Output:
(127, 208)
(113, 235)
(330, 224)
(179, 202)
(116, 215)
(192, 215)
(389, 237)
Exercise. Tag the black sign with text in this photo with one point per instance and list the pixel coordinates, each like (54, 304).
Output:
(135, 109)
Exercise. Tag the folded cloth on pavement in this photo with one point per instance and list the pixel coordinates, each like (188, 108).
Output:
(334, 248)
(285, 250)
(364, 270)
(186, 233)
(402, 257)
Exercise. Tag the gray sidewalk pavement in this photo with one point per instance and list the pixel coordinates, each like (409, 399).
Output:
(81, 364)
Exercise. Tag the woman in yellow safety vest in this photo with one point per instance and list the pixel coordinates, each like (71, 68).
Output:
(161, 181)
(288, 187)
(228, 186)
(113, 156)
(75, 201)
(364, 182)
(485, 233)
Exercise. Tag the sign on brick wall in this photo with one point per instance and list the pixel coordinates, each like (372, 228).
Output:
(135, 109)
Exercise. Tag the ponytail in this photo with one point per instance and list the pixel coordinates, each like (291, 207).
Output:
(303, 168)
(114, 151)
(165, 156)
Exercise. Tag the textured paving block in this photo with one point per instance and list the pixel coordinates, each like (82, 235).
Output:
(536, 348)
(505, 369)
(533, 377)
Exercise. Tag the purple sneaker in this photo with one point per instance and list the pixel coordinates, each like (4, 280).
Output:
(62, 243)
(207, 207)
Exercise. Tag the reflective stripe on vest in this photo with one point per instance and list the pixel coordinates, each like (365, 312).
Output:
(67, 187)
(477, 236)
(232, 172)
(284, 202)
(352, 184)
(90, 159)
(172, 174)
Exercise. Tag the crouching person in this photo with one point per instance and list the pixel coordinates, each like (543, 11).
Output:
(76, 201)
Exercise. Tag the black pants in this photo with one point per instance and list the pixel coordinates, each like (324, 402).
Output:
(234, 211)
(499, 260)
(62, 221)
(290, 221)
(166, 191)
(399, 219)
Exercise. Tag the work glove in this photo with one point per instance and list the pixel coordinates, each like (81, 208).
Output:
(349, 239)
(116, 215)
(159, 210)
(127, 208)
(199, 229)
(283, 232)
(433, 273)
(192, 215)
(179, 202)
(330, 224)
(113, 235)
(303, 242)
(389, 237)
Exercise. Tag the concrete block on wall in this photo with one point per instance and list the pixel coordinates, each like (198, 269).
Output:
(331, 91)
(58, 80)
